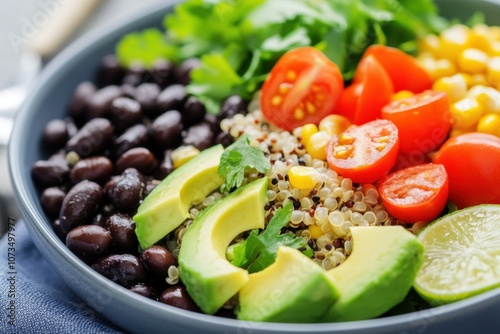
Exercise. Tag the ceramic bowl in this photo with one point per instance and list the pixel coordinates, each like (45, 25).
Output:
(132, 312)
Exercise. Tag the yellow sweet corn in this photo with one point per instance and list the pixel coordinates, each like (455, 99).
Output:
(473, 61)
(493, 71)
(307, 131)
(489, 123)
(316, 147)
(455, 86)
(401, 95)
(429, 44)
(481, 37)
(453, 41)
(487, 97)
(315, 231)
(466, 113)
(334, 124)
(302, 177)
(183, 154)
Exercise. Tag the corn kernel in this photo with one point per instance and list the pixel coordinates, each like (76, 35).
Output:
(429, 44)
(334, 124)
(455, 86)
(302, 177)
(473, 61)
(493, 70)
(489, 123)
(481, 37)
(307, 131)
(453, 41)
(494, 48)
(315, 231)
(487, 97)
(443, 68)
(316, 146)
(428, 64)
(401, 95)
(466, 113)
(183, 154)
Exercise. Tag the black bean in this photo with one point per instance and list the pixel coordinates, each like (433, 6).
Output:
(80, 205)
(99, 220)
(59, 156)
(171, 98)
(146, 95)
(77, 108)
(52, 199)
(50, 173)
(139, 158)
(124, 269)
(233, 105)
(177, 296)
(128, 90)
(99, 104)
(166, 166)
(55, 133)
(122, 228)
(224, 138)
(183, 72)
(92, 138)
(71, 127)
(145, 290)
(193, 111)
(110, 72)
(213, 121)
(56, 226)
(135, 136)
(125, 112)
(97, 169)
(125, 190)
(135, 75)
(166, 130)
(158, 259)
(150, 186)
(89, 241)
(200, 136)
(163, 72)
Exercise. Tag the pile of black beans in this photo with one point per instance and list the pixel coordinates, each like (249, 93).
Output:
(109, 153)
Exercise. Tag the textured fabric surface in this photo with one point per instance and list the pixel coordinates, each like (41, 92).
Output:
(34, 299)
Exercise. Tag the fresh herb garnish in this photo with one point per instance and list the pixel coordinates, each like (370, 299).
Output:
(239, 41)
(237, 158)
(260, 250)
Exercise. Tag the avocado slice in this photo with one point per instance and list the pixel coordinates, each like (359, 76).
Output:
(167, 206)
(377, 275)
(209, 277)
(293, 289)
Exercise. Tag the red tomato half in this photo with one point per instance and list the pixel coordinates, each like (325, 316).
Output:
(403, 69)
(423, 120)
(371, 89)
(417, 193)
(303, 87)
(472, 161)
(364, 153)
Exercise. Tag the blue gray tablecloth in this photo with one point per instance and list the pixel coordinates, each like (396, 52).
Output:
(33, 298)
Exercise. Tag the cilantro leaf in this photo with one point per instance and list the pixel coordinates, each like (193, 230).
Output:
(260, 250)
(237, 158)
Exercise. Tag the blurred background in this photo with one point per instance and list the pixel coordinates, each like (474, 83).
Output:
(45, 26)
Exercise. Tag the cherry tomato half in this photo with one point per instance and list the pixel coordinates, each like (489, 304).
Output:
(403, 69)
(417, 193)
(371, 89)
(472, 161)
(303, 87)
(423, 120)
(364, 153)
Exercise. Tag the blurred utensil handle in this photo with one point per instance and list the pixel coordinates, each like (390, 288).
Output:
(71, 15)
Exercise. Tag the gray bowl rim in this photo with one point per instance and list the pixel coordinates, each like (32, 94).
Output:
(37, 223)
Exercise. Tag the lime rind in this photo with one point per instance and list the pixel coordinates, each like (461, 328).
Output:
(462, 255)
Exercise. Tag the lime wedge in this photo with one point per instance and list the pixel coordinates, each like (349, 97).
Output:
(461, 255)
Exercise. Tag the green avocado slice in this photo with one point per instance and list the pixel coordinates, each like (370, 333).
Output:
(209, 277)
(377, 275)
(293, 289)
(167, 206)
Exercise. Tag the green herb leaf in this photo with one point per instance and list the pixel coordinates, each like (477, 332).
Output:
(237, 158)
(260, 250)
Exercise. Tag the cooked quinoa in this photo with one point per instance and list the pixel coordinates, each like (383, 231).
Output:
(323, 214)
